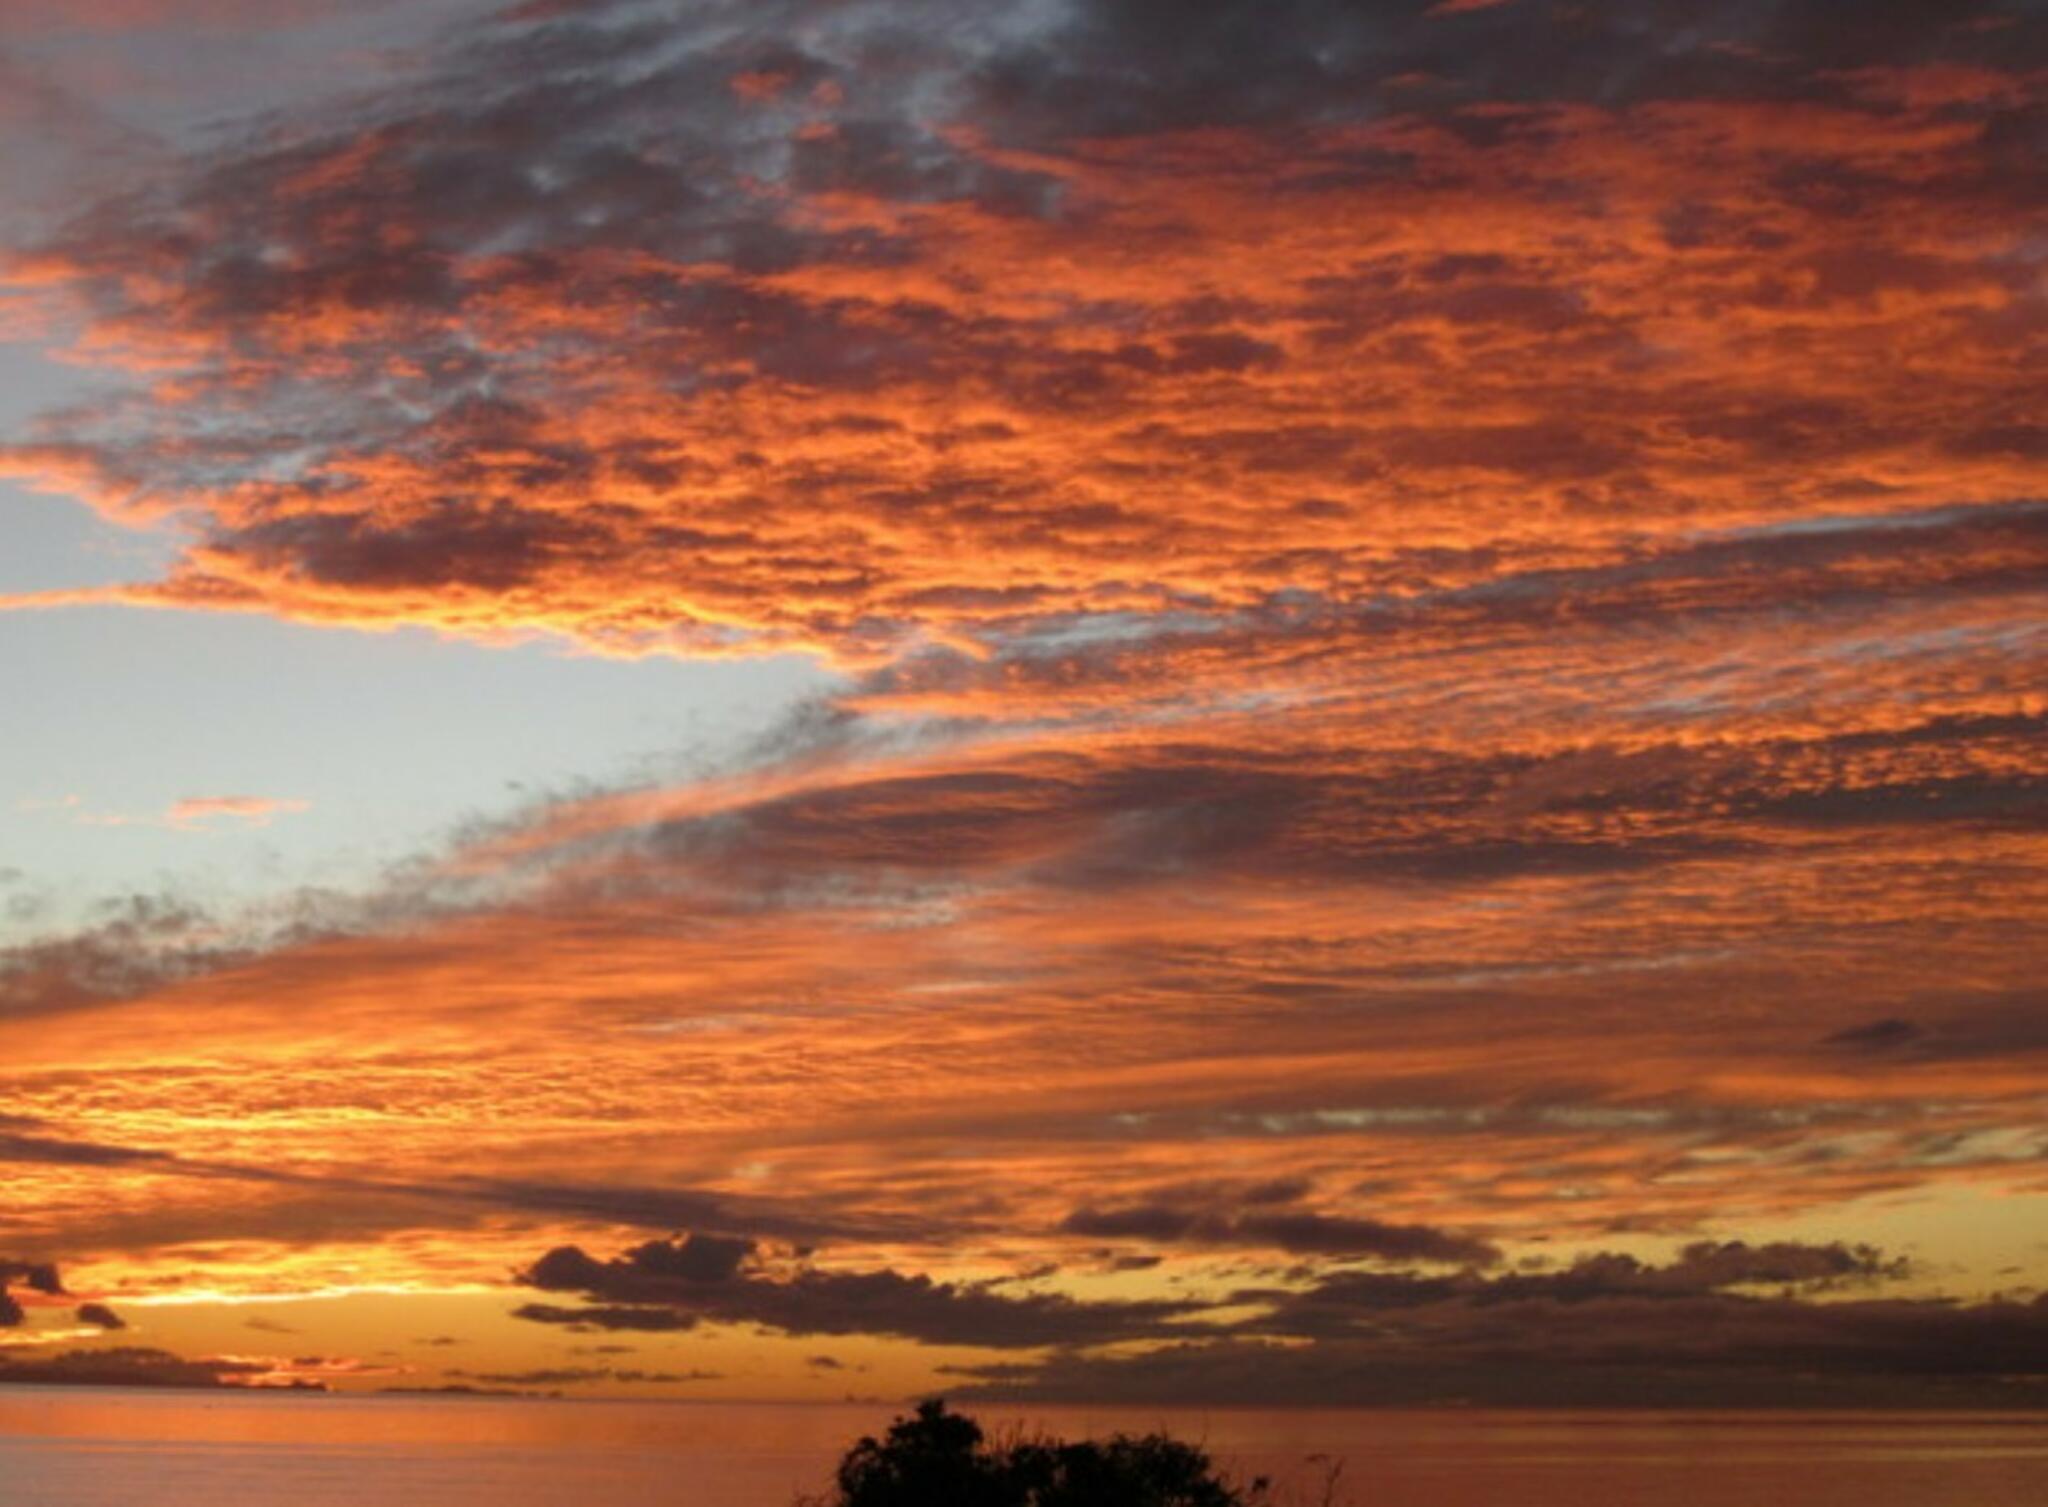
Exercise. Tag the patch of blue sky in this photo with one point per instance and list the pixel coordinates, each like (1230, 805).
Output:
(381, 743)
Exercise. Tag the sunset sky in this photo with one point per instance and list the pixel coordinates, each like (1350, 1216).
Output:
(1211, 701)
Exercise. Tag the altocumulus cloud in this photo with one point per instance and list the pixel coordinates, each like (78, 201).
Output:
(1398, 623)
(831, 409)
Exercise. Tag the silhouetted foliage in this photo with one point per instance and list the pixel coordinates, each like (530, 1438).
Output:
(937, 1458)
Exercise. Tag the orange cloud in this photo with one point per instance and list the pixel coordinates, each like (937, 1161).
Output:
(1183, 370)
(194, 812)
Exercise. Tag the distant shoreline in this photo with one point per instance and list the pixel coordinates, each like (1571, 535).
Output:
(2020, 1412)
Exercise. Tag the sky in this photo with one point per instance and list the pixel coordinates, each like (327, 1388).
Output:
(1094, 700)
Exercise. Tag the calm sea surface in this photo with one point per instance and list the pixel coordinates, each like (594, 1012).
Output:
(75, 1448)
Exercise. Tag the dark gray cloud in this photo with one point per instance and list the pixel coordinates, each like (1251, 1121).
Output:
(1610, 1330)
(133, 944)
(1298, 1232)
(143, 944)
(695, 1258)
(130, 1366)
(660, 1286)
(1723, 1323)
(557, 1376)
(1339, 1303)
(41, 1276)
(38, 1276)
(607, 1317)
(1134, 67)
(1715, 1353)
(100, 1316)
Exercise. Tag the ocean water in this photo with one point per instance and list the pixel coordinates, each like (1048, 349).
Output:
(71, 1447)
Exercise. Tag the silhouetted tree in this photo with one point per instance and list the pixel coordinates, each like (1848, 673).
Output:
(937, 1458)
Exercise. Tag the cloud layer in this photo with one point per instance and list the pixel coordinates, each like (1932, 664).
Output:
(721, 327)
(1433, 789)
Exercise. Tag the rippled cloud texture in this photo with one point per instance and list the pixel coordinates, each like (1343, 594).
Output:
(1435, 784)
